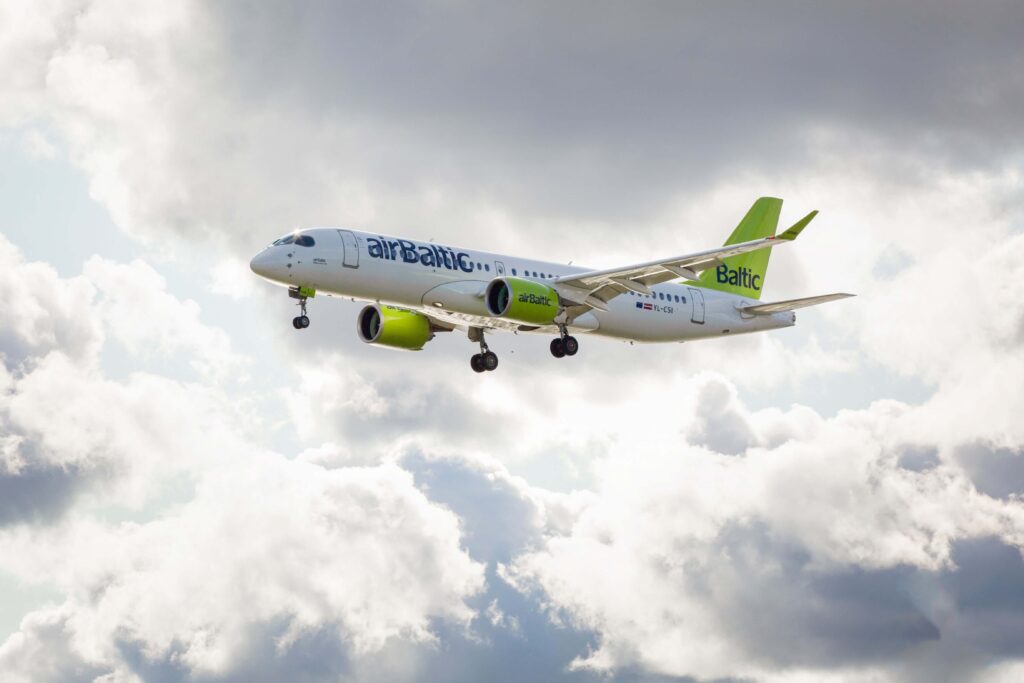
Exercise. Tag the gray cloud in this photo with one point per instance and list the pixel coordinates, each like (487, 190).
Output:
(498, 521)
(987, 589)
(997, 472)
(40, 493)
(600, 110)
(791, 613)
(918, 458)
(597, 114)
(720, 425)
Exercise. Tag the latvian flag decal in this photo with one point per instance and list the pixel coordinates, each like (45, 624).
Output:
(644, 307)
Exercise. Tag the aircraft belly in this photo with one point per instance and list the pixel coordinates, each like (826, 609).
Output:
(461, 296)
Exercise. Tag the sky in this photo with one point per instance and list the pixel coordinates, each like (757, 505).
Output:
(191, 490)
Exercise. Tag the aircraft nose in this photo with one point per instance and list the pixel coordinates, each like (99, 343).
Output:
(261, 264)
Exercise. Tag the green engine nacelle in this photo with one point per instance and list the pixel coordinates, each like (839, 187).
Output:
(393, 327)
(524, 301)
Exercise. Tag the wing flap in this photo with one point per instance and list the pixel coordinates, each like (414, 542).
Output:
(653, 272)
(791, 304)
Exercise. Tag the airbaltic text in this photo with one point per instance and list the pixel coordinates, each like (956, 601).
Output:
(740, 277)
(430, 255)
(534, 299)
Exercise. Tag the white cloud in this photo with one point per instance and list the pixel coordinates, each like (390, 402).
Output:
(713, 540)
(149, 321)
(232, 278)
(68, 429)
(696, 533)
(43, 311)
(357, 553)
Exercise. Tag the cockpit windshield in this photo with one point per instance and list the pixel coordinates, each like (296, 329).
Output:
(292, 238)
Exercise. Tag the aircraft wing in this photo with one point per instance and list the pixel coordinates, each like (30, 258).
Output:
(597, 287)
(791, 304)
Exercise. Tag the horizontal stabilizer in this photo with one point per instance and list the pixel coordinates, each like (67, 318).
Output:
(791, 305)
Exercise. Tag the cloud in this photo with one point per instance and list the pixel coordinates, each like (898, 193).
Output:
(996, 472)
(172, 326)
(592, 120)
(43, 311)
(68, 430)
(41, 651)
(369, 560)
(711, 517)
(810, 553)
(357, 556)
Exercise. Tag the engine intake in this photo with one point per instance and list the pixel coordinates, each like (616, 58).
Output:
(524, 301)
(393, 327)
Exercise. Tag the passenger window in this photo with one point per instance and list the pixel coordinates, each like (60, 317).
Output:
(487, 267)
(677, 298)
(513, 271)
(684, 299)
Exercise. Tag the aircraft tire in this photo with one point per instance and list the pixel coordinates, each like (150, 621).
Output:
(557, 348)
(571, 346)
(477, 362)
(490, 361)
(297, 322)
(304, 321)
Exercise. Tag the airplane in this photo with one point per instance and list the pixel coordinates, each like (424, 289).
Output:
(415, 290)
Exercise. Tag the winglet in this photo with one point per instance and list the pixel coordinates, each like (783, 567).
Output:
(797, 227)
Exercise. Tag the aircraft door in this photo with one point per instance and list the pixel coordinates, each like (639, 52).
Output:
(351, 247)
(499, 268)
(697, 299)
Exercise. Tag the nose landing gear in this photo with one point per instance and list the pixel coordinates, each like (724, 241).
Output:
(301, 321)
(486, 360)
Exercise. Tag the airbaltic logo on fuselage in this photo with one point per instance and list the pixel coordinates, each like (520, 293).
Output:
(740, 277)
(534, 299)
(430, 255)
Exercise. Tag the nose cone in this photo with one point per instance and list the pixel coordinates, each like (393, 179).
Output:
(264, 264)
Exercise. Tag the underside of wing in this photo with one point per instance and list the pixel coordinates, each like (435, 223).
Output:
(791, 304)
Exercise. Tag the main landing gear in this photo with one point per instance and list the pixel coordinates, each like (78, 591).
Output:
(486, 360)
(301, 321)
(564, 344)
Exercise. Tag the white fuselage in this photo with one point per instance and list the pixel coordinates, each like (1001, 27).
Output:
(447, 284)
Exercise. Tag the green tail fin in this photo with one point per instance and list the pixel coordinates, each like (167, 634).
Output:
(744, 274)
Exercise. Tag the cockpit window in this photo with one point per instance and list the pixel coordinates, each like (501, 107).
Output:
(292, 238)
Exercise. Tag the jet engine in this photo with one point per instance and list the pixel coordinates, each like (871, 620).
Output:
(524, 301)
(393, 327)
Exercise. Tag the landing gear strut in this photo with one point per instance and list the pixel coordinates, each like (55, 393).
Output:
(301, 321)
(564, 345)
(486, 360)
